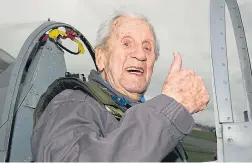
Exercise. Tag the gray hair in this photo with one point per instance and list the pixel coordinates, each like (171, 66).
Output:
(104, 30)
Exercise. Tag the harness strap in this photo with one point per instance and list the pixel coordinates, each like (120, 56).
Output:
(90, 89)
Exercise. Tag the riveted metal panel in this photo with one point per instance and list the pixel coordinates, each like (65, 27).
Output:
(219, 61)
(49, 64)
(243, 53)
(27, 53)
(237, 142)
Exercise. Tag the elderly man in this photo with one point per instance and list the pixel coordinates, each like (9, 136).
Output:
(75, 127)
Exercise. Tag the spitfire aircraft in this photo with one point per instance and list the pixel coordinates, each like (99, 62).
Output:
(24, 80)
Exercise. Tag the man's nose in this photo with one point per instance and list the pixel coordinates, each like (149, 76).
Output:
(139, 54)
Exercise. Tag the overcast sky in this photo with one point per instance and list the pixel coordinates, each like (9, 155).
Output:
(181, 25)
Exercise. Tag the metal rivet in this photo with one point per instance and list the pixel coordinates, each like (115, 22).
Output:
(226, 99)
(228, 118)
(221, 6)
(224, 82)
(223, 64)
(221, 33)
(222, 48)
(229, 140)
(229, 127)
(49, 48)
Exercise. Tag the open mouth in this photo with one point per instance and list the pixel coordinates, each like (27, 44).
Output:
(135, 70)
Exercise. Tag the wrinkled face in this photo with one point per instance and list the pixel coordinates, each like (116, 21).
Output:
(129, 58)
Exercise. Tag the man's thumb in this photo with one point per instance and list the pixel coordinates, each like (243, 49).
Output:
(177, 63)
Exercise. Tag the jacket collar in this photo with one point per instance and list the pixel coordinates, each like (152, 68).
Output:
(117, 97)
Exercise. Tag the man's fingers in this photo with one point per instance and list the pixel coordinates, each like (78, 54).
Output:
(177, 63)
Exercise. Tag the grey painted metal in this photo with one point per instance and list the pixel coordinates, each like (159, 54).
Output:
(12, 96)
(234, 141)
(47, 66)
(237, 142)
(219, 71)
(218, 127)
(5, 60)
(219, 61)
(5, 76)
(242, 51)
(5, 79)
(237, 136)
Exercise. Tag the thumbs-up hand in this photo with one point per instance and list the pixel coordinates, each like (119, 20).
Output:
(186, 87)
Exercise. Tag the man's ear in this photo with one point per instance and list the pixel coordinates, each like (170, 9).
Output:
(99, 58)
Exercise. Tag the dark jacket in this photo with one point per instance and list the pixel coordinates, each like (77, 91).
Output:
(75, 127)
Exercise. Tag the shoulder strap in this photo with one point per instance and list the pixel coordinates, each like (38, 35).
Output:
(103, 97)
(180, 152)
(90, 89)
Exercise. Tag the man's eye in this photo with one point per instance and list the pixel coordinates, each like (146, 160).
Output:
(147, 48)
(126, 44)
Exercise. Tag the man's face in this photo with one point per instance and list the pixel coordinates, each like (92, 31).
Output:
(129, 59)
